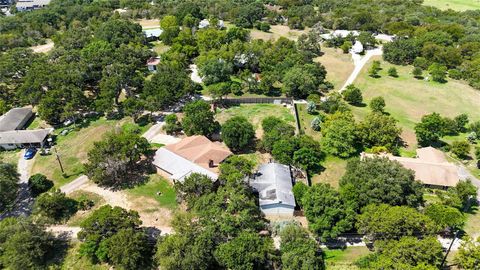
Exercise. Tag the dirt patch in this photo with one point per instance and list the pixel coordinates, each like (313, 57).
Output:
(43, 48)
(146, 24)
(276, 32)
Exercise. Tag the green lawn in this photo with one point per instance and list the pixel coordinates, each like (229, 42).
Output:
(339, 65)
(334, 169)
(408, 99)
(159, 47)
(10, 156)
(167, 197)
(73, 261)
(459, 5)
(306, 120)
(255, 113)
(344, 259)
(472, 226)
(73, 149)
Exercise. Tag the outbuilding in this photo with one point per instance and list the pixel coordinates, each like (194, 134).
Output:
(16, 118)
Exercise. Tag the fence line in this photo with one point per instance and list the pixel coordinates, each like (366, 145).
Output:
(272, 100)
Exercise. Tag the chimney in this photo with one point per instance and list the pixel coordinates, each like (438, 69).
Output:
(210, 163)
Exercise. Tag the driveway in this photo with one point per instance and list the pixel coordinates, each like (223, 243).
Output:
(75, 184)
(155, 135)
(359, 63)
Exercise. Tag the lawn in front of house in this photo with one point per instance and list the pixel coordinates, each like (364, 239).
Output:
(408, 99)
(157, 188)
(11, 156)
(255, 113)
(72, 149)
(459, 5)
(339, 65)
(344, 258)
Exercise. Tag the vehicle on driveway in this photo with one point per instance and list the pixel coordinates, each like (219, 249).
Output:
(30, 153)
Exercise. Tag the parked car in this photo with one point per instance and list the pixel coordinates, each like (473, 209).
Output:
(30, 153)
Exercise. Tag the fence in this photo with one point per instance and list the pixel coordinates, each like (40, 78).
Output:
(272, 100)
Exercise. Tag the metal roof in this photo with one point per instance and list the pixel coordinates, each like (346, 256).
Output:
(24, 136)
(274, 184)
(14, 118)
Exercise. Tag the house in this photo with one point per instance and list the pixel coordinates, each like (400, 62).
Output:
(195, 154)
(273, 182)
(23, 138)
(205, 23)
(340, 33)
(430, 167)
(152, 34)
(152, 64)
(357, 47)
(16, 118)
(25, 5)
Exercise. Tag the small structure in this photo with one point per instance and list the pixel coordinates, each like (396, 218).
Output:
(152, 64)
(430, 167)
(206, 23)
(273, 182)
(23, 138)
(15, 119)
(357, 47)
(195, 154)
(26, 5)
(340, 33)
(152, 34)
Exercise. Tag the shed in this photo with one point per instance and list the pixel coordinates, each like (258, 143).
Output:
(274, 183)
(15, 119)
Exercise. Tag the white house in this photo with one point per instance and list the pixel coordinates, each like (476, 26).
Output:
(205, 23)
(24, 5)
(23, 138)
(357, 47)
(273, 182)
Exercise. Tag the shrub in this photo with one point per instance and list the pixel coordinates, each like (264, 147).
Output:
(39, 184)
(377, 104)
(392, 72)
(460, 148)
(353, 95)
(417, 72)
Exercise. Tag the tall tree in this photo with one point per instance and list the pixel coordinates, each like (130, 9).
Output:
(198, 119)
(339, 135)
(299, 250)
(8, 185)
(238, 133)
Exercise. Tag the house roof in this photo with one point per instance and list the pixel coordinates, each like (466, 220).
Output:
(24, 136)
(430, 167)
(177, 166)
(357, 47)
(274, 184)
(155, 32)
(153, 61)
(200, 150)
(31, 3)
(14, 118)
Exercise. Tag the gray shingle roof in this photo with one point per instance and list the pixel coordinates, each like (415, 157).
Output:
(23, 136)
(274, 184)
(14, 118)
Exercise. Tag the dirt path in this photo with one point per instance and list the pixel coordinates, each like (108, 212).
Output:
(43, 48)
(75, 184)
(359, 63)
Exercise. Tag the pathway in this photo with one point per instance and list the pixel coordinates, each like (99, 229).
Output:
(75, 184)
(359, 63)
(155, 135)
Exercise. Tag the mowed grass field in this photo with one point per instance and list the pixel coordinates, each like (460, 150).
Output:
(408, 99)
(255, 113)
(338, 64)
(343, 259)
(277, 31)
(156, 188)
(460, 5)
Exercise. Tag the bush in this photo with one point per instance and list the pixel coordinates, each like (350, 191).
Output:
(346, 46)
(39, 184)
(353, 95)
(55, 206)
(461, 149)
(417, 73)
(263, 26)
(377, 104)
(85, 204)
(238, 133)
(455, 74)
(315, 124)
(392, 72)
(311, 107)
(172, 126)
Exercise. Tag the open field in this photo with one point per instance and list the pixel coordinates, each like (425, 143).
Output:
(338, 64)
(73, 149)
(276, 32)
(459, 5)
(255, 113)
(156, 184)
(408, 99)
(334, 168)
(344, 259)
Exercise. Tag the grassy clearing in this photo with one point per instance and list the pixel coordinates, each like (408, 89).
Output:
(167, 197)
(73, 149)
(459, 5)
(305, 120)
(277, 31)
(78, 195)
(408, 99)
(339, 66)
(159, 47)
(472, 226)
(255, 113)
(344, 259)
(149, 23)
(334, 169)
(73, 261)
(10, 156)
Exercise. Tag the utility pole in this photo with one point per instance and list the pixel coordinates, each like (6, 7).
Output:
(58, 159)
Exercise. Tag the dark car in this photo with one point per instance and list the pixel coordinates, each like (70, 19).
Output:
(30, 153)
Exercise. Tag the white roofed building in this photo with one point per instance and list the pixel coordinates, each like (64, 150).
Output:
(357, 47)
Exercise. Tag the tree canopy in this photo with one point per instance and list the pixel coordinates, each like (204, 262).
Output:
(8, 185)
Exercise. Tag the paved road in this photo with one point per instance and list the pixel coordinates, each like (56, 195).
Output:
(359, 64)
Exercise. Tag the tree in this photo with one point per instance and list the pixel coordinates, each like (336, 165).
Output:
(172, 126)
(444, 216)
(299, 190)
(379, 130)
(236, 166)
(377, 104)
(401, 51)
(8, 185)
(24, 245)
(468, 255)
(246, 251)
(299, 250)
(430, 129)
(438, 72)
(316, 123)
(238, 133)
(374, 69)
(39, 183)
(392, 72)
(119, 31)
(100, 226)
(346, 46)
(406, 253)
(215, 70)
(461, 122)
(311, 107)
(299, 83)
(385, 222)
(339, 135)
(310, 43)
(194, 186)
(198, 119)
(417, 73)
(353, 95)
(274, 130)
(114, 161)
(461, 149)
(55, 206)
(380, 180)
(283, 150)
(170, 29)
(307, 158)
(326, 212)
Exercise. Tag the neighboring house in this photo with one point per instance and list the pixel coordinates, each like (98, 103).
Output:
(152, 34)
(273, 182)
(24, 5)
(340, 33)
(205, 23)
(23, 138)
(195, 154)
(430, 167)
(152, 64)
(16, 118)
(357, 47)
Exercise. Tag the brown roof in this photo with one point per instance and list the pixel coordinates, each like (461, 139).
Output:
(200, 150)
(153, 61)
(431, 167)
